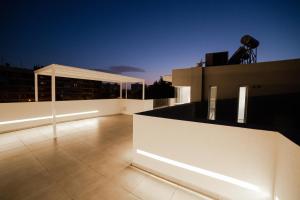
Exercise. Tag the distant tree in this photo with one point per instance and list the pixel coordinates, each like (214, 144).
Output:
(160, 89)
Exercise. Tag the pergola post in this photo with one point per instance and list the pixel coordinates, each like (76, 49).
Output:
(126, 90)
(120, 90)
(143, 90)
(53, 99)
(36, 87)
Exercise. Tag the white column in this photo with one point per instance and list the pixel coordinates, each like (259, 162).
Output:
(120, 90)
(53, 99)
(126, 90)
(143, 90)
(36, 87)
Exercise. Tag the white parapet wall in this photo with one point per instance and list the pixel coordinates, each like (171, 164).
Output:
(15, 116)
(223, 162)
(287, 183)
(131, 106)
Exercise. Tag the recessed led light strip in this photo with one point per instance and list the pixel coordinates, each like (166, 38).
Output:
(47, 117)
(75, 114)
(201, 171)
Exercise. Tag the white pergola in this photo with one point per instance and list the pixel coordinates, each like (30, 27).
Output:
(54, 70)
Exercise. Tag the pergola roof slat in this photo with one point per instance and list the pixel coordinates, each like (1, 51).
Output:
(79, 73)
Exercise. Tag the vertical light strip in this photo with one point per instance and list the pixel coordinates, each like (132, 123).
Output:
(47, 117)
(201, 171)
(242, 107)
(212, 103)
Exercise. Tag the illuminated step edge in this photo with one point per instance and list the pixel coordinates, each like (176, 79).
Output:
(47, 117)
(201, 171)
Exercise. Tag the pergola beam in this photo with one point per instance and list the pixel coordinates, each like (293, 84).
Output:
(79, 73)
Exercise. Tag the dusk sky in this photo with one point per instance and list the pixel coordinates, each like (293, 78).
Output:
(153, 35)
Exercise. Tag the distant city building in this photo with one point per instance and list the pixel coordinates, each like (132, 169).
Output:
(17, 85)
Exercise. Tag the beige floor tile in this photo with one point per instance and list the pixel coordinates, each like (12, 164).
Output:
(78, 149)
(53, 156)
(19, 167)
(81, 183)
(153, 189)
(129, 178)
(13, 153)
(52, 192)
(50, 143)
(24, 188)
(109, 191)
(11, 146)
(186, 195)
(108, 166)
(32, 137)
(6, 138)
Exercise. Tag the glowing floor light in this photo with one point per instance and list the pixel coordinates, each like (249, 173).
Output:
(201, 171)
(47, 117)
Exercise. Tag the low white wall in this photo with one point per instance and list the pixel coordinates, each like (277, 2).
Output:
(39, 113)
(240, 157)
(103, 106)
(172, 101)
(131, 106)
(287, 185)
(21, 111)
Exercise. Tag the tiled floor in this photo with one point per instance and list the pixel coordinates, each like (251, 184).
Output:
(90, 159)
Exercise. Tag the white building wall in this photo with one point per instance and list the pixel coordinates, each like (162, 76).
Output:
(266, 78)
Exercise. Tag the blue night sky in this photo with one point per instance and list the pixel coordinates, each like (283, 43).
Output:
(153, 35)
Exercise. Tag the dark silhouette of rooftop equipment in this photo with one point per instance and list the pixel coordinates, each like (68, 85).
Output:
(247, 53)
(216, 58)
(249, 41)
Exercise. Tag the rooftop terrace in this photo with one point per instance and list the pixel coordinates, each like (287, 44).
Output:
(89, 159)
